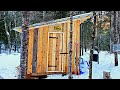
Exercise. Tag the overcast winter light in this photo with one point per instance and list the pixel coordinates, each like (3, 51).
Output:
(59, 45)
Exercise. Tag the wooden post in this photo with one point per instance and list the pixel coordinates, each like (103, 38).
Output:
(70, 47)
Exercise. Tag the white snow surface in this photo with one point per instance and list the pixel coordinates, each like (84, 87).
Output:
(106, 63)
(8, 64)
(95, 52)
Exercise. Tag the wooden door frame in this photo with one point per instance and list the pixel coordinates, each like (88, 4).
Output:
(48, 51)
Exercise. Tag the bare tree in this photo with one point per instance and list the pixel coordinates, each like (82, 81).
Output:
(114, 27)
(24, 47)
(70, 46)
(0, 42)
(44, 13)
(6, 30)
(118, 26)
(15, 40)
(82, 40)
(85, 41)
(91, 51)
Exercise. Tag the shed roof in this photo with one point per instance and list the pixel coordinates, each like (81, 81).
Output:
(82, 17)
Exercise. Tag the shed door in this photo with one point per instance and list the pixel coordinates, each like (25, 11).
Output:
(55, 60)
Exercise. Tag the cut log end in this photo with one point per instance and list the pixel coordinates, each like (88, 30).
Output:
(106, 75)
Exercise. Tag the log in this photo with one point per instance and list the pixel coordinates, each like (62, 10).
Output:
(106, 75)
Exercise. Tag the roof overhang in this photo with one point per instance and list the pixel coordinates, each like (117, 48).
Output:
(82, 17)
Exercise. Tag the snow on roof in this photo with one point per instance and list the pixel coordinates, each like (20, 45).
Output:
(82, 17)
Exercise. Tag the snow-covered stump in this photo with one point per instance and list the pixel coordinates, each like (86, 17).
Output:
(106, 75)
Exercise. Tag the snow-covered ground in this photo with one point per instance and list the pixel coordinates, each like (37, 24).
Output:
(8, 64)
(106, 63)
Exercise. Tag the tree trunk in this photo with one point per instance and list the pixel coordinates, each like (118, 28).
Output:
(119, 38)
(114, 22)
(10, 34)
(99, 39)
(91, 51)
(24, 46)
(96, 33)
(85, 47)
(116, 40)
(70, 46)
(15, 46)
(110, 46)
(44, 13)
(85, 40)
(98, 42)
(0, 48)
(82, 40)
(119, 26)
(7, 33)
(99, 33)
(15, 40)
(0, 41)
(110, 39)
(88, 40)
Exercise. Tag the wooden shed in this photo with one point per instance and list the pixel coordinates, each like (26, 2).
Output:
(48, 49)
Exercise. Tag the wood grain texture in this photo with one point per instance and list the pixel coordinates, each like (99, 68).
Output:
(35, 44)
(39, 52)
(30, 51)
